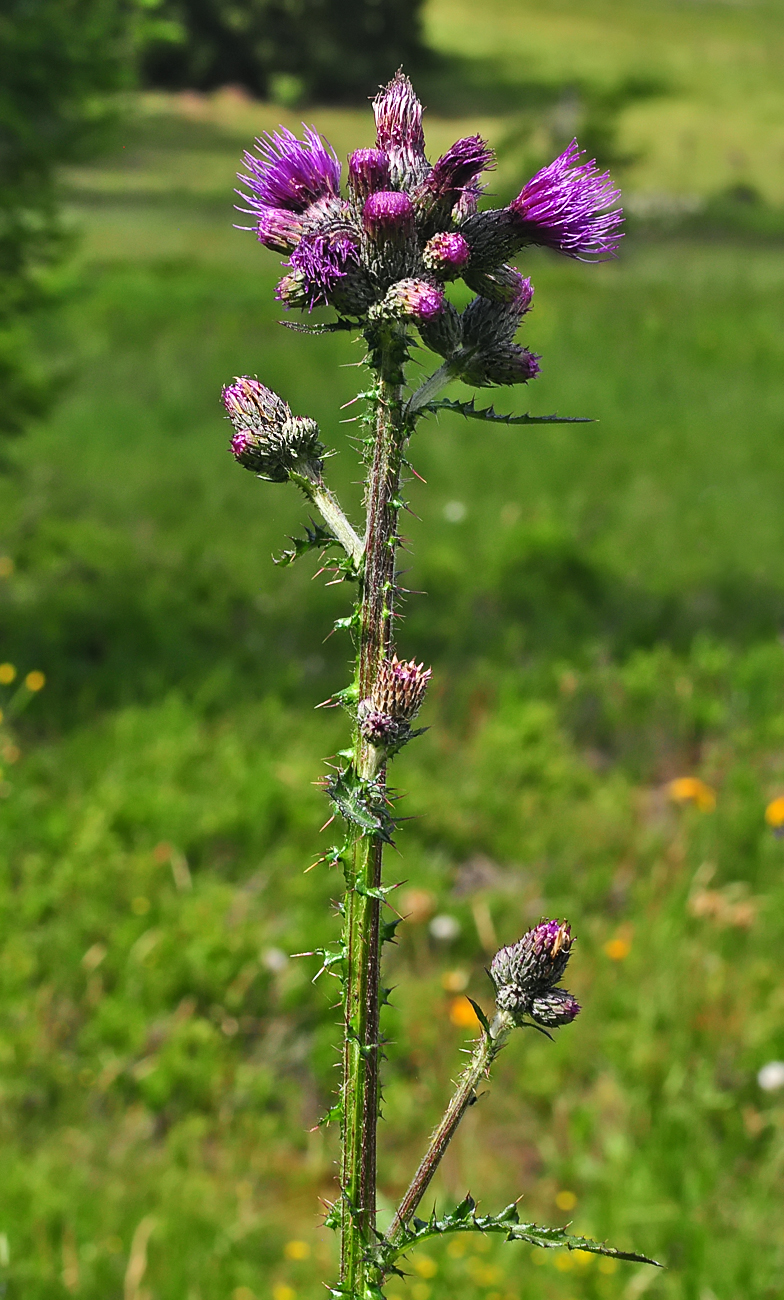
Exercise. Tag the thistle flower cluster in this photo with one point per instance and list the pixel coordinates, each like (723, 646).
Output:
(385, 717)
(267, 438)
(526, 974)
(406, 227)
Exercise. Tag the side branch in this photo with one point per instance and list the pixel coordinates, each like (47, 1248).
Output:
(492, 1042)
(329, 507)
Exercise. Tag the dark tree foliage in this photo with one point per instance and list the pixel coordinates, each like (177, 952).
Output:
(322, 49)
(59, 59)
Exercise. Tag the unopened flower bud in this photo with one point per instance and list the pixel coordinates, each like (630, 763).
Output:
(443, 333)
(293, 290)
(446, 254)
(554, 1009)
(456, 170)
(508, 364)
(500, 285)
(526, 973)
(379, 729)
(396, 698)
(267, 438)
(388, 215)
(368, 171)
(279, 229)
(399, 131)
(400, 687)
(391, 246)
(414, 300)
(487, 324)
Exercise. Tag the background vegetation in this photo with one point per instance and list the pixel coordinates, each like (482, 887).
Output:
(603, 613)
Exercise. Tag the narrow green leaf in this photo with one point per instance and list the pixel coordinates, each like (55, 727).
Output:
(490, 415)
(465, 1219)
(481, 1017)
(316, 539)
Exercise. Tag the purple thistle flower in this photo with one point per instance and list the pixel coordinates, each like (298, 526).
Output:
(322, 257)
(564, 207)
(458, 168)
(399, 132)
(368, 171)
(388, 214)
(291, 173)
(446, 254)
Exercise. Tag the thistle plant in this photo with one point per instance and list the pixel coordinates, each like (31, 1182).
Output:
(382, 254)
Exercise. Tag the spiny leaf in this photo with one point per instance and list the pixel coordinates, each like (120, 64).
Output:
(389, 930)
(488, 413)
(360, 802)
(334, 1114)
(326, 327)
(465, 1219)
(316, 539)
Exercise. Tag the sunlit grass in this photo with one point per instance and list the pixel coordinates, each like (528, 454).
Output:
(603, 612)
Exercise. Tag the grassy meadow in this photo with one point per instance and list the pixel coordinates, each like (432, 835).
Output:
(603, 612)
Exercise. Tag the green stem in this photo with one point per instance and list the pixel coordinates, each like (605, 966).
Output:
(363, 871)
(464, 1096)
(327, 503)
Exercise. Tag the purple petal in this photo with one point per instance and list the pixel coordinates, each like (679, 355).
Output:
(564, 206)
(322, 257)
(399, 131)
(459, 167)
(291, 173)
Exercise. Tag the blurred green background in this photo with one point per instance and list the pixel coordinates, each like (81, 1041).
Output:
(604, 614)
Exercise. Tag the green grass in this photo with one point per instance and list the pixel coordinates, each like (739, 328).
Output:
(604, 617)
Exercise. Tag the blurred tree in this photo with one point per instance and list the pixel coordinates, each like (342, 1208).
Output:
(287, 50)
(59, 62)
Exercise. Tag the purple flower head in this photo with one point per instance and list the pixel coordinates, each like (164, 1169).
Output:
(279, 229)
(399, 131)
(414, 300)
(459, 167)
(368, 171)
(564, 206)
(291, 173)
(388, 214)
(526, 973)
(322, 258)
(446, 254)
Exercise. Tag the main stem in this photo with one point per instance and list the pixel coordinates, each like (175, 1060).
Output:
(363, 870)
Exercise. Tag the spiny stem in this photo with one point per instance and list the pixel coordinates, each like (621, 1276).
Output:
(363, 870)
(465, 1094)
